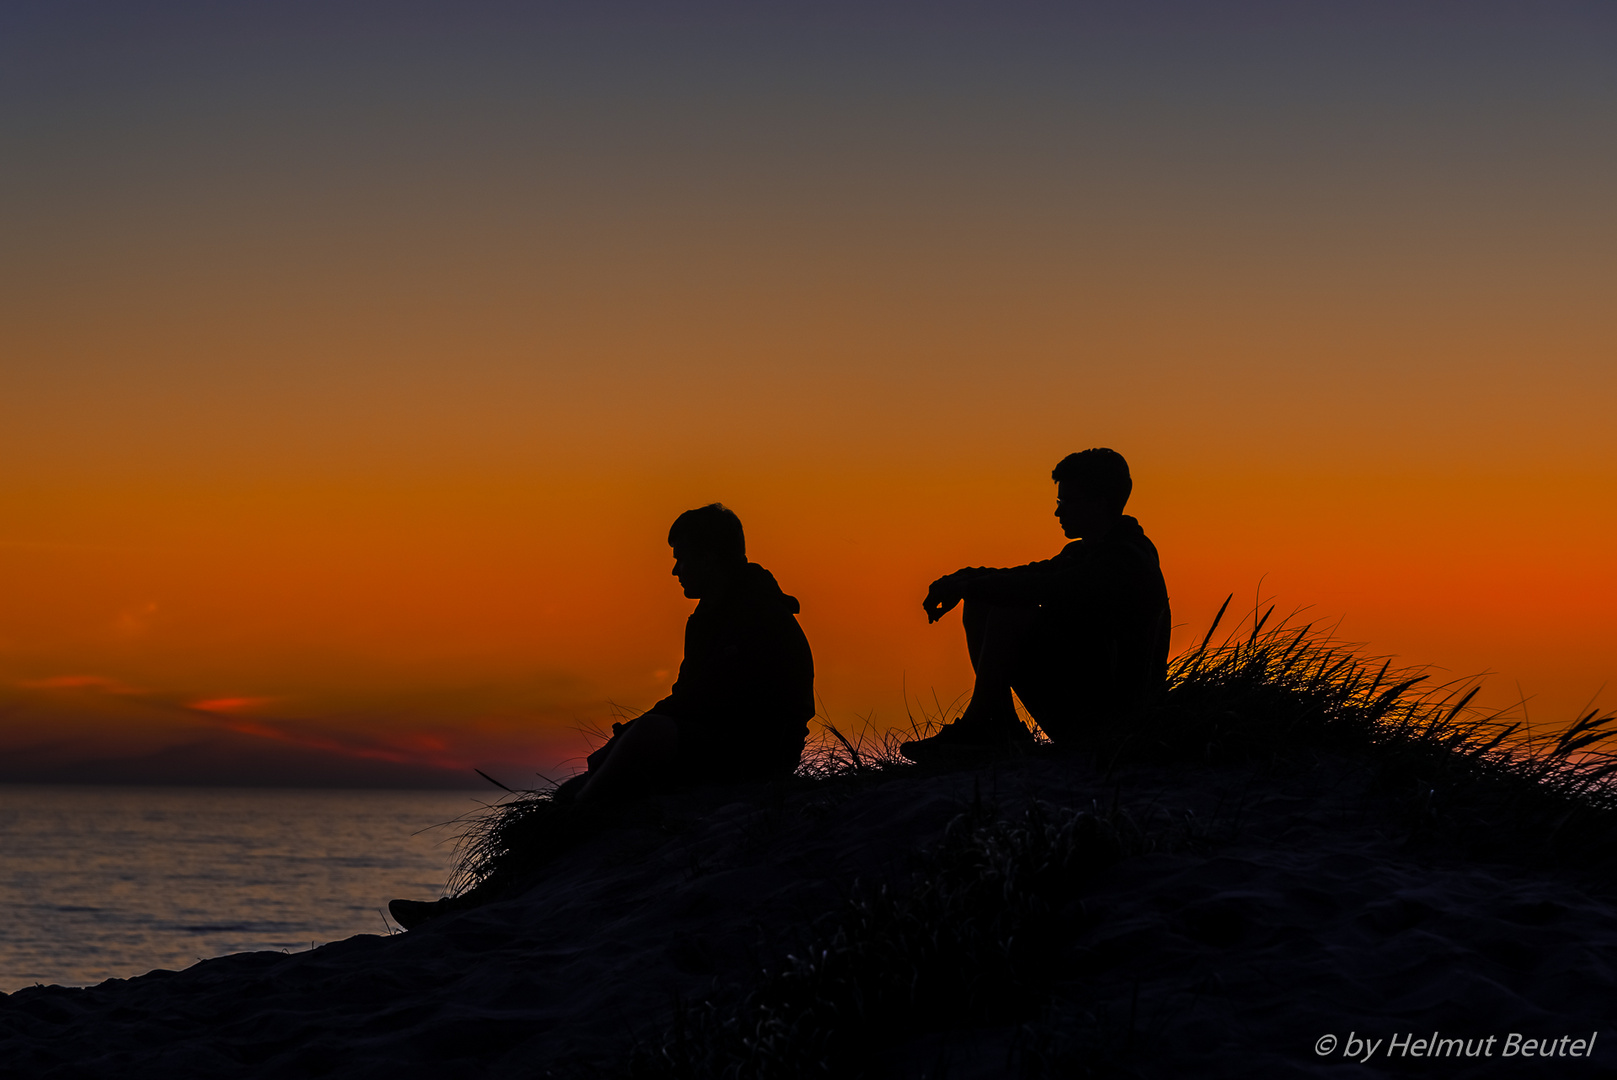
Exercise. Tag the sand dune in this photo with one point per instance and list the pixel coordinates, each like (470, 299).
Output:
(1300, 911)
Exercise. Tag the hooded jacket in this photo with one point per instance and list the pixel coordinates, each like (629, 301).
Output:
(745, 690)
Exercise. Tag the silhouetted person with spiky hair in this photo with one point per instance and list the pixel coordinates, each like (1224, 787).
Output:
(739, 709)
(1082, 638)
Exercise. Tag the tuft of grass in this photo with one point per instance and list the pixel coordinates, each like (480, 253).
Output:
(973, 939)
(872, 751)
(511, 838)
(830, 754)
(1481, 778)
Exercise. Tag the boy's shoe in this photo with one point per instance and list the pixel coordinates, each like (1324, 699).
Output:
(964, 740)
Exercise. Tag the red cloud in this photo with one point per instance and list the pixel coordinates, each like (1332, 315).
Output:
(422, 750)
(229, 704)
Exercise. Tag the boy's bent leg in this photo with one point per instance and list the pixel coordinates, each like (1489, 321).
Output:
(644, 757)
(994, 639)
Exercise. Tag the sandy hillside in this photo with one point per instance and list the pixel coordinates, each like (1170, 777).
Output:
(1279, 907)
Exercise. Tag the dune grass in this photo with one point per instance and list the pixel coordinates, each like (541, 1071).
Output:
(1484, 780)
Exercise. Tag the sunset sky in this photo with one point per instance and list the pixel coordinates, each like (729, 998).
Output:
(355, 357)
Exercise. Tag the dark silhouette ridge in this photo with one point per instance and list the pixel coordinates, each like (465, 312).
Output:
(738, 711)
(1082, 638)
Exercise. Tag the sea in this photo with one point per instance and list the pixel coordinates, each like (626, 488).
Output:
(110, 882)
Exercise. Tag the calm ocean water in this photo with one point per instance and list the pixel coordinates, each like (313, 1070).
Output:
(103, 882)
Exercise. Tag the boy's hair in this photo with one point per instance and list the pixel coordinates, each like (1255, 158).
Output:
(713, 530)
(1100, 473)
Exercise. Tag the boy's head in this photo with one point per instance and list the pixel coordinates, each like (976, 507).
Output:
(1092, 487)
(709, 547)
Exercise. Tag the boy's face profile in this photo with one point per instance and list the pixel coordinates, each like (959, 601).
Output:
(697, 571)
(1079, 513)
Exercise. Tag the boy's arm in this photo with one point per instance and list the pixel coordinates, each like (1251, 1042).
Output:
(1032, 583)
(943, 594)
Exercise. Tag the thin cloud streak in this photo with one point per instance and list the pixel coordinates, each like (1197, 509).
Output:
(312, 735)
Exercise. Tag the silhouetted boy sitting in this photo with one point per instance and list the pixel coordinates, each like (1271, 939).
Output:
(1081, 638)
(739, 709)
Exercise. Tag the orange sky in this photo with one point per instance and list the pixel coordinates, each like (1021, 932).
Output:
(348, 390)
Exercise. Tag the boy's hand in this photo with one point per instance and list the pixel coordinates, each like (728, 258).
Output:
(941, 598)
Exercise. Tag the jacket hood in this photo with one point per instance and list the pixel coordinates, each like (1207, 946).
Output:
(1127, 529)
(758, 589)
(762, 589)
